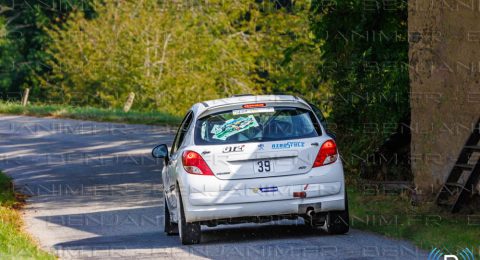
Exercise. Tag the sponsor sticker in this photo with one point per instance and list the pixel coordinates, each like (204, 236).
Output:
(253, 110)
(288, 145)
(233, 126)
(234, 148)
(269, 189)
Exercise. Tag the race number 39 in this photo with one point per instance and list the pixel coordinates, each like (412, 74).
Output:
(263, 166)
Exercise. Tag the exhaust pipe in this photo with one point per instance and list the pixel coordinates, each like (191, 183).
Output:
(310, 213)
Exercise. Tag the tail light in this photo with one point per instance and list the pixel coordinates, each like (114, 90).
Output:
(327, 154)
(194, 163)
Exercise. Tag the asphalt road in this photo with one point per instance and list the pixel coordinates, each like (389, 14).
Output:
(97, 193)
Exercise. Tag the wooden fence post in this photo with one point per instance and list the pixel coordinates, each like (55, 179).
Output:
(129, 102)
(25, 96)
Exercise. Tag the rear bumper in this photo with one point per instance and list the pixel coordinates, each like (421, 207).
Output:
(261, 194)
(209, 198)
(266, 208)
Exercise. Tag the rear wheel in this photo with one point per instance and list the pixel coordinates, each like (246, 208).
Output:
(169, 227)
(190, 233)
(338, 222)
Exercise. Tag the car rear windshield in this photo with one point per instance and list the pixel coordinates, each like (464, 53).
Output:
(256, 125)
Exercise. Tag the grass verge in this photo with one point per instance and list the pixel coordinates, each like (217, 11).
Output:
(426, 226)
(90, 113)
(14, 243)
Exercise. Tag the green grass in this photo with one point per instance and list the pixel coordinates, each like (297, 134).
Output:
(14, 243)
(90, 113)
(426, 226)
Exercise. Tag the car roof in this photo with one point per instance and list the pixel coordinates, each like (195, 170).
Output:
(206, 105)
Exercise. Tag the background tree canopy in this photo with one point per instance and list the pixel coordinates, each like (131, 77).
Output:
(172, 56)
(23, 41)
(348, 56)
(365, 58)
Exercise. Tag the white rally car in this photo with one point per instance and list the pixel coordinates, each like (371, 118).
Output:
(252, 159)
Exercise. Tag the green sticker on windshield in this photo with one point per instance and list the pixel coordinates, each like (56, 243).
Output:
(233, 126)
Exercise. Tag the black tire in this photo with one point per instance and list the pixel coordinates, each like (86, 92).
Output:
(338, 222)
(169, 227)
(190, 233)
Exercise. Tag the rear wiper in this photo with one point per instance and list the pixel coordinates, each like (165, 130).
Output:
(263, 139)
(257, 139)
(251, 140)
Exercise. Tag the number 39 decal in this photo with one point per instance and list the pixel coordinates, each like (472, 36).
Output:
(263, 166)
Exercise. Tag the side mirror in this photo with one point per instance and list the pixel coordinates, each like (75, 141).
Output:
(161, 151)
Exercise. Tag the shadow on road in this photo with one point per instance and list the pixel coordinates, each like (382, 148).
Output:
(97, 193)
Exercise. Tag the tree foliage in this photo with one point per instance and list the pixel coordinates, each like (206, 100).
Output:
(174, 55)
(23, 40)
(348, 55)
(364, 53)
(8, 55)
